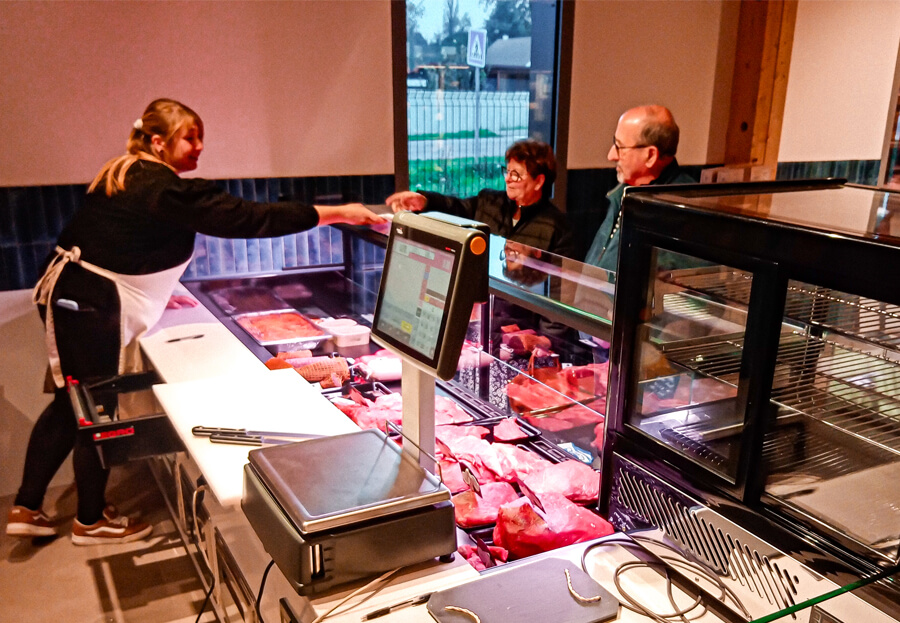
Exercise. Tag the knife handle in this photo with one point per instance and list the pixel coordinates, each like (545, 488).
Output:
(236, 440)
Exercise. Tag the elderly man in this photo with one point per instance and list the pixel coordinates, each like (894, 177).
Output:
(522, 213)
(643, 149)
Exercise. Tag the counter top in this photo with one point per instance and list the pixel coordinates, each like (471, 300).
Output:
(271, 400)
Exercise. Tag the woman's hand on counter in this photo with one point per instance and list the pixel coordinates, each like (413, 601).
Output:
(177, 301)
(350, 213)
(406, 200)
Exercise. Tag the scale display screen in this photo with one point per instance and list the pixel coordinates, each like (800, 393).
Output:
(416, 289)
(432, 272)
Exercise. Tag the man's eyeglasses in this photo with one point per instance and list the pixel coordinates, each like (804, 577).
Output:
(620, 148)
(513, 176)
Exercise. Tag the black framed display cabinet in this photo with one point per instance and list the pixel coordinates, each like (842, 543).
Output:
(754, 403)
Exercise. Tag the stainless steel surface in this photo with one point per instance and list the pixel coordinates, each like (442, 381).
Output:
(872, 320)
(299, 342)
(831, 382)
(335, 481)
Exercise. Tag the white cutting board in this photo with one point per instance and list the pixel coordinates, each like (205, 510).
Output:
(275, 400)
(193, 351)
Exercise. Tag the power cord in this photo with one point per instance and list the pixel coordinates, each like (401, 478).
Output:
(381, 579)
(630, 603)
(262, 586)
(205, 601)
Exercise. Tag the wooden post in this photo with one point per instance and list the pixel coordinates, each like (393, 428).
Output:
(759, 84)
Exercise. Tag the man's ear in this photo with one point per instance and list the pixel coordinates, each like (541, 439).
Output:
(652, 156)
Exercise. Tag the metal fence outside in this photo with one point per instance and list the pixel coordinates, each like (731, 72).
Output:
(446, 155)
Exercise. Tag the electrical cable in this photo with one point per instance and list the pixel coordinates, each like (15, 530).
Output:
(199, 490)
(380, 579)
(262, 586)
(634, 605)
(205, 601)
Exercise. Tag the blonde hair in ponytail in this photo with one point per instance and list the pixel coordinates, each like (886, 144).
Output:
(163, 117)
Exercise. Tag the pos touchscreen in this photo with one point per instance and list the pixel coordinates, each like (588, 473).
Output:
(426, 295)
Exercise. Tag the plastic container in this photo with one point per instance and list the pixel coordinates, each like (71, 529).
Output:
(352, 335)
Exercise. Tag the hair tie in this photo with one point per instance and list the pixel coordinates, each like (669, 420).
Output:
(139, 125)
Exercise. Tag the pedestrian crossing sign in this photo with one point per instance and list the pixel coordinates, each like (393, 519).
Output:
(477, 47)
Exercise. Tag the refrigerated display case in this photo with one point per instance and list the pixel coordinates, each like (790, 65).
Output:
(537, 349)
(754, 397)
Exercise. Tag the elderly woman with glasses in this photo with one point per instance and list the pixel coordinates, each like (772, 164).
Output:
(523, 212)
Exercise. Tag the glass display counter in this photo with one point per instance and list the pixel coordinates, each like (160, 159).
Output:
(757, 381)
(537, 349)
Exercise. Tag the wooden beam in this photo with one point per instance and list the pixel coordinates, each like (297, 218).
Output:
(759, 84)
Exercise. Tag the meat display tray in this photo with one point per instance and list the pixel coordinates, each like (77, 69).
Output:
(338, 509)
(283, 342)
(247, 299)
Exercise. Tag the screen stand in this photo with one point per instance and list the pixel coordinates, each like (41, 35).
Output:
(417, 388)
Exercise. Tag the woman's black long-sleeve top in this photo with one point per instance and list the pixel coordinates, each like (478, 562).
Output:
(541, 225)
(151, 225)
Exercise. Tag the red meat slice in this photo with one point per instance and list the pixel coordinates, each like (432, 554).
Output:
(525, 531)
(599, 431)
(479, 454)
(470, 553)
(448, 432)
(508, 429)
(473, 510)
(451, 475)
(573, 479)
(390, 408)
(516, 463)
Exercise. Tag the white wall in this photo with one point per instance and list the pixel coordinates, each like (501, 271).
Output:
(839, 88)
(632, 52)
(22, 369)
(284, 88)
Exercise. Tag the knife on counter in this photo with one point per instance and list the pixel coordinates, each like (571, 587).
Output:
(247, 437)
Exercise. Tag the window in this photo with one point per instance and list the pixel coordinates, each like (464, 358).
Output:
(460, 117)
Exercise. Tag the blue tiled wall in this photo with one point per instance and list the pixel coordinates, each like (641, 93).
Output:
(32, 217)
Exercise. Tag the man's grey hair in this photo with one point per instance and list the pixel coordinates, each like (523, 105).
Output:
(660, 130)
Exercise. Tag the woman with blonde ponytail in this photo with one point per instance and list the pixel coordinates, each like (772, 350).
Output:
(110, 278)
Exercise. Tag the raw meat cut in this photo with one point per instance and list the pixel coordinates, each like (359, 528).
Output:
(680, 391)
(479, 454)
(508, 429)
(451, 475)
(573, 479)
(599, 431)
(470, 553)
(516, 463)
(473, 510)
(446, 432)
(525, 531)
(390, 408)
(280, 326)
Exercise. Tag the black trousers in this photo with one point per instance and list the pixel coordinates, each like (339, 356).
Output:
(89, 342)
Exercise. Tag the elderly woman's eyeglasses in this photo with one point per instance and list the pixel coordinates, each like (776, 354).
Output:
(620, 148)
(512, 176)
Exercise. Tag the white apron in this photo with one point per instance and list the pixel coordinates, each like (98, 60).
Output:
(142, 299)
